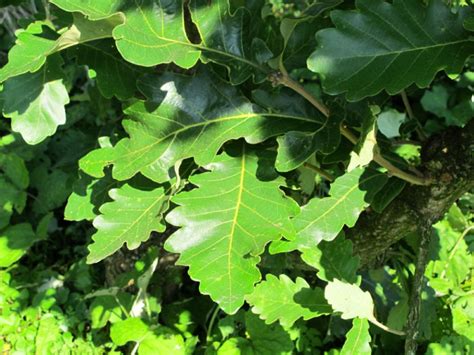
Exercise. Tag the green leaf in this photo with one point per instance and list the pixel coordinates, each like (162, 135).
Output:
(87, 196)
(230, 38)
(15, 170)
(11, 198)
(297, 300)
(389, 122)
(385, 196)
(130, 218)
(410, 45)
(35, 102)
(226, 223)
(357, 339)
(334, 260)
(159, 341)
(14, 242)
(463, 316)
(115, 77)
(267, 339)
(323, 219)
(29, 52)
(191, 117)
(349, 300)
(366, 147)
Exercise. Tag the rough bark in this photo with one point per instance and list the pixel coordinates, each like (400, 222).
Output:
(449, 160)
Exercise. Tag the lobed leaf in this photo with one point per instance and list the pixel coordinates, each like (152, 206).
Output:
(226, 223)
(357, 339)
(411, 43)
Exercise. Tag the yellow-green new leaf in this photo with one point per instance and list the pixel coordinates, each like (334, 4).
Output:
(130, 218)
(349, 300)
(226, 223)
(357, 339)
(287, 301)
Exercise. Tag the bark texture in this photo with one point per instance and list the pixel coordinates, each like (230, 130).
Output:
(448, 158)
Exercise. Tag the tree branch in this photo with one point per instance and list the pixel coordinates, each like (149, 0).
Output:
(449, 160)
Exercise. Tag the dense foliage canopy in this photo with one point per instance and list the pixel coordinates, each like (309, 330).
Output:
(236, 177)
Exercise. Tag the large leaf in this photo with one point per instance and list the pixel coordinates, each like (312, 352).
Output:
(323, 219)
(35, 102)
(287, 301)
(194, 117)
(357, 339)
(390, 46)
(130, 218)
(226, 223)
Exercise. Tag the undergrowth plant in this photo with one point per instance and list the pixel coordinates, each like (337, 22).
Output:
(236, 177)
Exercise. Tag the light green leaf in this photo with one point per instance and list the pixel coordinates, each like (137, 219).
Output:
(159, 341)
(29, 52)
(463, 316)
(226, 223)
(349, 300)
(323, 219)
(334, 260)
(411, 44)
(14, 242)
(130, 218)
(87, 196)
(365, 149)
(389, 122)
(297, 300)
(35, 102)
(191, 117)
(357, 339)
(94, 162)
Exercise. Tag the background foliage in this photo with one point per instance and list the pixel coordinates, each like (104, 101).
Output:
(181, 177)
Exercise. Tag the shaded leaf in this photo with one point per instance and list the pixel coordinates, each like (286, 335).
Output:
(389, 122)
(333, 260)
(14, 242)
(412, 43)
(287, 301)
(226, 223)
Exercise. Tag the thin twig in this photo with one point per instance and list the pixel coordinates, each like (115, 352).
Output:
(319, 171)
(411, 116)
(414, 314)
(378, 158)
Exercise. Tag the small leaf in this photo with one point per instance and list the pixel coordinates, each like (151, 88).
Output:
(411, 44)
(226, 223)
(389, 122)
(35, 102)
(357, 339)
(385, 196)
(130, 218)
(349, 300)
(297, 300)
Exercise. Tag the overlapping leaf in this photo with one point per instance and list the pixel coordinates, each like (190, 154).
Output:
(349, 300)
(226, 223)
(334, 260)
(287, 301)
(35, 102)
(130, 218)
(323, 219)
(14, 242)
(357, 339)
(192, 117)
(411, 43)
